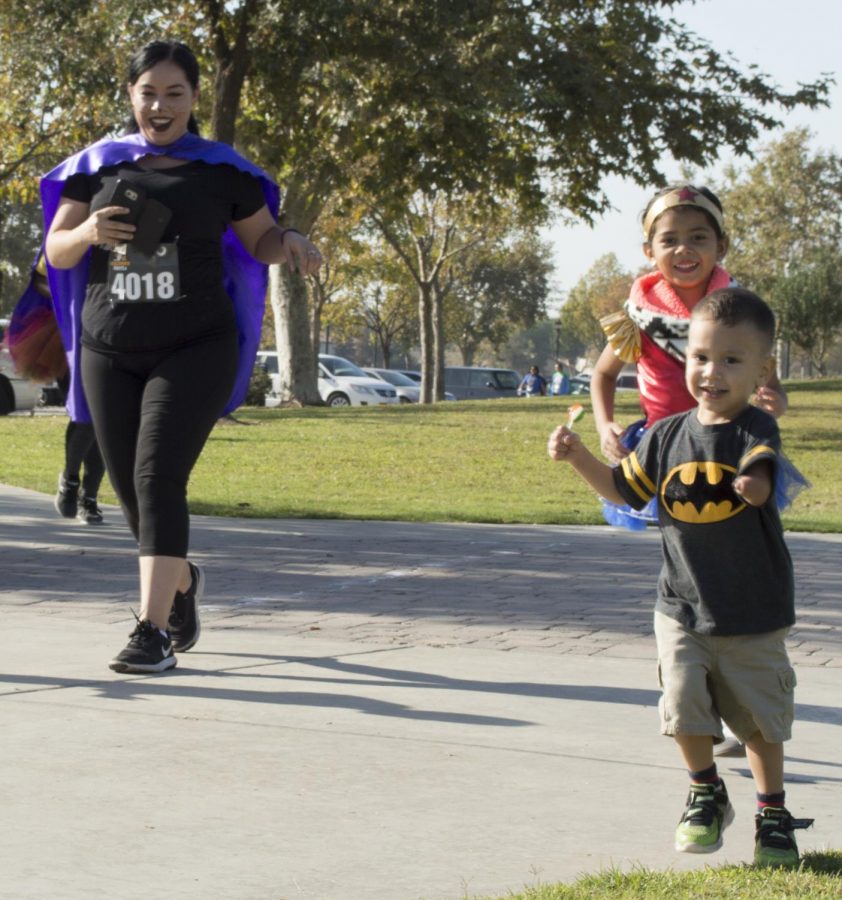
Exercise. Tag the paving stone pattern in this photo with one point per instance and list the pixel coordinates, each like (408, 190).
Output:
(544, 589)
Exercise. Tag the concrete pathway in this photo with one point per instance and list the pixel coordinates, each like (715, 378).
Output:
(374, 710)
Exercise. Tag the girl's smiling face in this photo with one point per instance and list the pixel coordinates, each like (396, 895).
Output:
(162, 100)
(685, 248)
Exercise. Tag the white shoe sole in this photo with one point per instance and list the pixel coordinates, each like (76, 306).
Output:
(731, 746)
(119, 666)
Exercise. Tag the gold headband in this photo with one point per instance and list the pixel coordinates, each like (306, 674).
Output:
(687, 195)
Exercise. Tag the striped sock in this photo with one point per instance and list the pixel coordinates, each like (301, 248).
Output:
(776, 800)
(706, 776)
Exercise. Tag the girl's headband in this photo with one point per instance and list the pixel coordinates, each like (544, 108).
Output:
(687, 195)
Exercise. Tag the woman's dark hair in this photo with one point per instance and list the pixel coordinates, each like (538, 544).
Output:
(164, 51)
(706, 192)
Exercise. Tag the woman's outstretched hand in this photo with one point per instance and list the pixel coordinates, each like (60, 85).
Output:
(301, 255)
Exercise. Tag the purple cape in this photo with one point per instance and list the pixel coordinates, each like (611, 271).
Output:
(245, 277)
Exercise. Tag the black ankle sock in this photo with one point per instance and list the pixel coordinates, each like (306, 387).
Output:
(706, 776)
(764, 800)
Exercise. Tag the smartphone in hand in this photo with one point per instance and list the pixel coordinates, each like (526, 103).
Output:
(146, 213)
(151, 226)
(131, 196)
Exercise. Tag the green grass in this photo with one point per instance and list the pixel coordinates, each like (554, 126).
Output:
(481, 461)
(820, 876)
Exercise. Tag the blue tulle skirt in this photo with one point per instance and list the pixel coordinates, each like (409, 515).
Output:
(789, 483)
(624, 516)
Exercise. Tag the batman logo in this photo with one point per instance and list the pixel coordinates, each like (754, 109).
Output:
(701, 492)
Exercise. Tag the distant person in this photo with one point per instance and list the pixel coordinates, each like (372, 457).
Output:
(533, 384)
(560, 382)
(725, 599)
(81, 454)
(161, 318)
(36, 347)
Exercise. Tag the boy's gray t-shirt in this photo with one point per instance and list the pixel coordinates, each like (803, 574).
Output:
(727, 569)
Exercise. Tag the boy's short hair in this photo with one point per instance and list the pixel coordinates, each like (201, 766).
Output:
(735, 305)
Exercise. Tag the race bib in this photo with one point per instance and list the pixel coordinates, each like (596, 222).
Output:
(136, 278)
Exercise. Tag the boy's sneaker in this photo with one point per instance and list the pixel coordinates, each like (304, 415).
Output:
(706, 816)
(89, 512)
(774, 844)
(147, 651)
(67, 498)
(184, 624)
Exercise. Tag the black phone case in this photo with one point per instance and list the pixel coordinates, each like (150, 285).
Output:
(151, 225)
(132, 196)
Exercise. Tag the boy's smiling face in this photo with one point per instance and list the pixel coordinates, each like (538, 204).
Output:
(725, 365)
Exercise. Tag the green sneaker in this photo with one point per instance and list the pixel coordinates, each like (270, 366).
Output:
(774, 844)
(707, 814)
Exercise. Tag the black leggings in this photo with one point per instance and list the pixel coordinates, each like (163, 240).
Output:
(153, 413)
(80, 448)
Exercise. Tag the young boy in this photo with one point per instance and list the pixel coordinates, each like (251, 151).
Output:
(725, 594)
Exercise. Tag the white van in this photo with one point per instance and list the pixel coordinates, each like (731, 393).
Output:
(341, 383)
(15, 392)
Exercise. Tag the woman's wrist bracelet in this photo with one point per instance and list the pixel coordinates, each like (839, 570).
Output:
(286, 231)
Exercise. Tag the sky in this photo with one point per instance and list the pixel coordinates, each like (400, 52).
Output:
(791, 41)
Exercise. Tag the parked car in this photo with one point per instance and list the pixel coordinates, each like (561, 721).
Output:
(341, 383)
(408, 388)
(408, 391)
(15, 392)
(346, 384)
(627, 381)
(477, 382)
(580, 384)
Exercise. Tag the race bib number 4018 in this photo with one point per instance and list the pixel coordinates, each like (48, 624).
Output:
(135, 278)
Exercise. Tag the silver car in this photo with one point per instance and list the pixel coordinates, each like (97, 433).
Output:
(406, 378)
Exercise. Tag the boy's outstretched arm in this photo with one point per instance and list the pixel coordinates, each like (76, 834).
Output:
(566, 446)
(754, 486)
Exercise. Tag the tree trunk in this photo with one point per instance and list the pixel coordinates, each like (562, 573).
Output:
(288, 297)
(232, 64)
(438, 343)
(425, 321)
(317, 300)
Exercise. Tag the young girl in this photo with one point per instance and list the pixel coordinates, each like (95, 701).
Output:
(685, 241)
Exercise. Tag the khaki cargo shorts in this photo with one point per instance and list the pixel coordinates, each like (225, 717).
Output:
(745, 680)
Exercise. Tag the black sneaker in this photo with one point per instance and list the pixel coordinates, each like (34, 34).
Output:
(774, 843)
(147, 651)
(89, 512)
(67, 498)
(184, 624)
